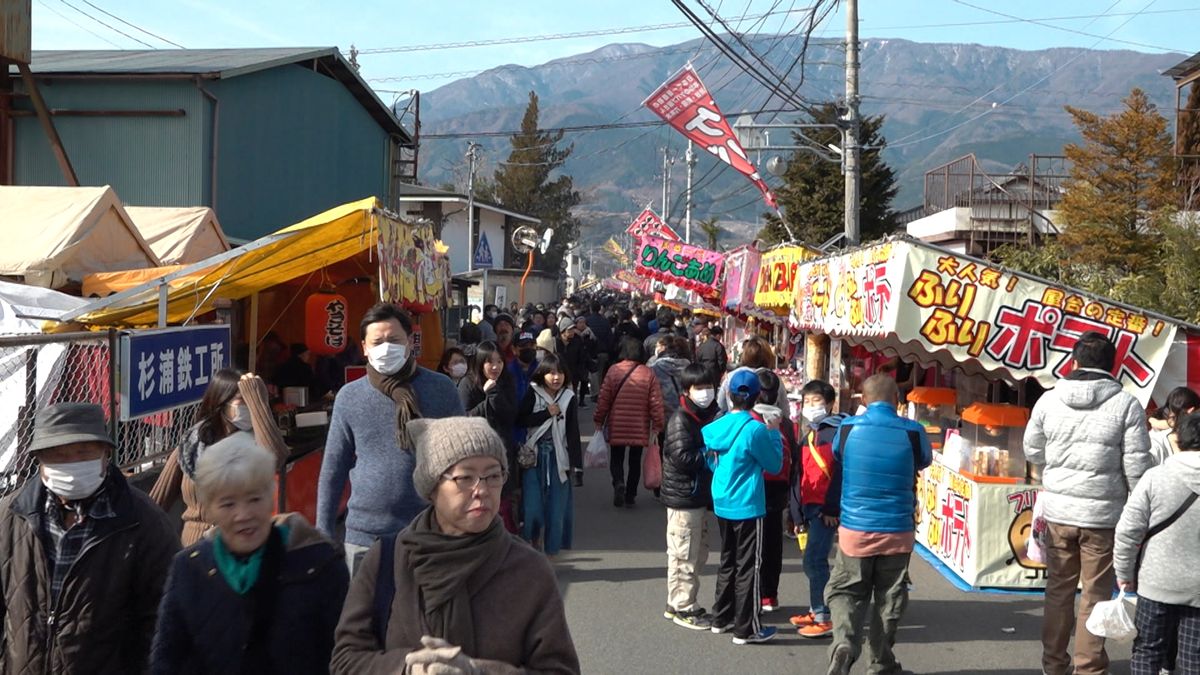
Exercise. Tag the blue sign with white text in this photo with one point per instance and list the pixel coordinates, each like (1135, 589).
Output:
(169, 367)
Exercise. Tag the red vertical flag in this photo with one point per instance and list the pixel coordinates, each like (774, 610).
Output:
(684, 102)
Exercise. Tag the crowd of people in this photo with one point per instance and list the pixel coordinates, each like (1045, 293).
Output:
(464, 495)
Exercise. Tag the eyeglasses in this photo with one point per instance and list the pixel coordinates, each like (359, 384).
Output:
(471, 483)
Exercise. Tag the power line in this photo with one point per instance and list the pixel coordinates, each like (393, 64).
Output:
(78, 25)
(1103, 38)
(962, 24)
(134, 26)
(536, 38)
(109, 26)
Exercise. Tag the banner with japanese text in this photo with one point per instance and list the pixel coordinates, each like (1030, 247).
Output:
(649, 224)
(684, 265)
(777, 276)
(977, 311)
(741, 271)
(414, 268)
(852, 294)
(685, 103)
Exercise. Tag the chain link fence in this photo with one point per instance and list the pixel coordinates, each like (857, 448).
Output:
(40, 370)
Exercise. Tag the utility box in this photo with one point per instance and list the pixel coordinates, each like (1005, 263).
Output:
(16, 30)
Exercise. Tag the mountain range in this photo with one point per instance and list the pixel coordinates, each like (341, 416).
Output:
(940, 101)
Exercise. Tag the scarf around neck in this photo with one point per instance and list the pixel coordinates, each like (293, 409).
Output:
(398, 387)
(446, 569)
(557, 426)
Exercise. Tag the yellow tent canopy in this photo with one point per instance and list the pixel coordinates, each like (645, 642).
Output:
(190, 290)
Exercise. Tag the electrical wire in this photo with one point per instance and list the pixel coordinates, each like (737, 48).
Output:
(131, 25)
(78, 25)
(108, 26)
(1103, 38)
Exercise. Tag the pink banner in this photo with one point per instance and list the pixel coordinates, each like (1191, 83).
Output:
(649, 224)
(680, 264)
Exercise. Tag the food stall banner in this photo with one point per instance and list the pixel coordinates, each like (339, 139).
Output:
(414, 269)
(614, 249)
(681, 264)
(1028, 327)
(685, 103)
(857, 293)
(169, 367)
(777, 276)
(649, 224)
(741, 272)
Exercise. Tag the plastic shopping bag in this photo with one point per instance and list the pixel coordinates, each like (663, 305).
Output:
(1035, 544)
(596, 455)
(1113, 619)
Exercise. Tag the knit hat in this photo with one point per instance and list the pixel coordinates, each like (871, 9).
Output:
(565, 323)
(546, 341)
(442, 443)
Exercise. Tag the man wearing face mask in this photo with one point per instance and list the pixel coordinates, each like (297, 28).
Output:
(368, 440)
(526, 362)
(85, 556)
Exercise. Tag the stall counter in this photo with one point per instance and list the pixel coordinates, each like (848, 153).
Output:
(977, 530)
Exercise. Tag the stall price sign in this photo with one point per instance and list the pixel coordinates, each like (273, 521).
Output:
(681, 264)
(170, 367)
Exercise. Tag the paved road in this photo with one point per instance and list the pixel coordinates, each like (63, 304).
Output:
(614, 584)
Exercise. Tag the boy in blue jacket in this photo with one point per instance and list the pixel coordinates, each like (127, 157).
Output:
(740, 449)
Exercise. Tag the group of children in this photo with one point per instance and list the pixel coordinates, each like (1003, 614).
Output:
(751, 466)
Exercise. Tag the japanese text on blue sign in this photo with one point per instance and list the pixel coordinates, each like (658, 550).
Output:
(165, 369)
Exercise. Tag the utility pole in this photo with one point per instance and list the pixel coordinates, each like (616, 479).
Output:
(850, 148)
(666, 195)
(690, 160)
(472, 158)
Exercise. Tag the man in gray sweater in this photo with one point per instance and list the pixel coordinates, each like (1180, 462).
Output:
(1168, 580)
(1090, 436)
(363, 443)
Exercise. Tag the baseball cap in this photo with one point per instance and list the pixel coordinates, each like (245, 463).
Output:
(744, 382)
(525, 336)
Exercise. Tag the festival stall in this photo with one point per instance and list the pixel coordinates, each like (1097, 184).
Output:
(986, 332)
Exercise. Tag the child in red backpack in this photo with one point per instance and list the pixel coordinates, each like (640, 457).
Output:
(776, 485)
(815, 469)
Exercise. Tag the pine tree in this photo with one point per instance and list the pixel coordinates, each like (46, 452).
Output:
(813, 195)
(524, 183)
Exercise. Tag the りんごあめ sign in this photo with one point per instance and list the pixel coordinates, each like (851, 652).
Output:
(680, 264)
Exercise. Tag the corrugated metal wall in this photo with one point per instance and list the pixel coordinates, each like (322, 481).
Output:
(150, 161)
(292, 143)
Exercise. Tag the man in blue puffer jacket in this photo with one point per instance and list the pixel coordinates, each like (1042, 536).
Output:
(877, 456)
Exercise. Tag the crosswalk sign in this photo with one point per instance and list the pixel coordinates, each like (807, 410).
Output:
(483, 253)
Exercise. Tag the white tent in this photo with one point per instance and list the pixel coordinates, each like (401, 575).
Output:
(53, 236)
(179, 236)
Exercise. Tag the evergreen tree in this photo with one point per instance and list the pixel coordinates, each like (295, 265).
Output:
(711, 230)
(524, 183)
(813, 195)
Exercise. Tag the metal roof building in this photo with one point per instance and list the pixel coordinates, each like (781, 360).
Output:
(266, 137)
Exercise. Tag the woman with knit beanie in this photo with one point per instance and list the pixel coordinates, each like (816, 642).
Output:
(454, 592)
(369, 441)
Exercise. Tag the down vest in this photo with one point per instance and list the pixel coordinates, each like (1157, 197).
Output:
(631, 412)
(1091, 437)
(686, 479)
(105, 614)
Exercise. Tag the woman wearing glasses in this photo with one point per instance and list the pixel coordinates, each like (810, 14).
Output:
(454, 591)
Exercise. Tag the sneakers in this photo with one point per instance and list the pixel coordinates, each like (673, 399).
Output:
(619, 495)
(721, 629)
(770, 604)
(767, 633)
(841, 661)
(816, 630)
(802, 620)
(669, 613)
(696, 619)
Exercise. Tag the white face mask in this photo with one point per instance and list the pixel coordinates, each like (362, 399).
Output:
(74, 480)
(458, 370)
(702, 397)
(241, 418)
(387, 357)
(814, 413)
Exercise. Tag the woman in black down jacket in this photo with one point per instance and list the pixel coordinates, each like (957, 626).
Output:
(687, 493)
(488, 391)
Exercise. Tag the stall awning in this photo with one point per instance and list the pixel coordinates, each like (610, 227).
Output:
(179, 236)
(931, 305)
(329, 237)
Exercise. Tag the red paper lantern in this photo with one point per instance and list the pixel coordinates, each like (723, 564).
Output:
(325, 328)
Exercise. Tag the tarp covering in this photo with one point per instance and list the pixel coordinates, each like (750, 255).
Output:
(930, 305)
(18, 302)
(179, 235)
(57, 235)
(326, 238)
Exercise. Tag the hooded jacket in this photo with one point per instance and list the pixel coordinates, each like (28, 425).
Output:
(668, 369)
(1091, 437)
(740, 449)
(104, 617)
(203, 624)
(1168, 573)
(686, 479)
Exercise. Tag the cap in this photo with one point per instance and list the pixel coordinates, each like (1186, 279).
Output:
(525, 336)
(744, 382)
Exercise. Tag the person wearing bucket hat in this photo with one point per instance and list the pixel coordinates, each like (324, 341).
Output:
(61, 614)
(460, 594)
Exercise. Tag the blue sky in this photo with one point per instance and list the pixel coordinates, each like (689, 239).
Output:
(78, 24)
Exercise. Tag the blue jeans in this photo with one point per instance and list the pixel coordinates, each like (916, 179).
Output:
(549, 503)
(816, 560)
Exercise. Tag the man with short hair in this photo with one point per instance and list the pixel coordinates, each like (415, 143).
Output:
(711, 353)
(876, 459)
(1090, 436)
(84, 555)
(665, 326)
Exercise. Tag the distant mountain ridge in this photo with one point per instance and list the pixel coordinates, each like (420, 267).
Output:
(929, 93)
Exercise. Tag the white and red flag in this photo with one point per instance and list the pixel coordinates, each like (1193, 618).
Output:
(684, 102)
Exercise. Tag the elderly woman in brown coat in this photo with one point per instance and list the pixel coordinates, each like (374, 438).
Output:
(631, 413)
(454, 592)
